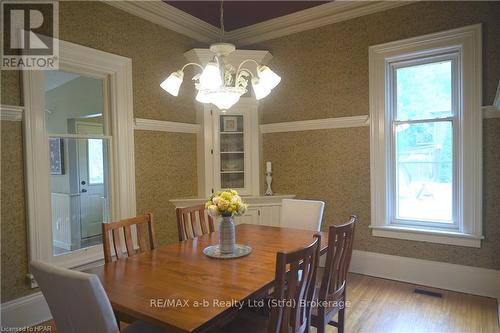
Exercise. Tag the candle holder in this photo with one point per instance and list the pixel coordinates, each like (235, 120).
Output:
(269, 180)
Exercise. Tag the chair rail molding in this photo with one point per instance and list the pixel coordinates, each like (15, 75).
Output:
(11, 112)
(315, 124)
(491, 111)
(179, 21)
(166, 126)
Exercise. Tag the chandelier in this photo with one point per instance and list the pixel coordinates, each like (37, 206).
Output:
(219, 82)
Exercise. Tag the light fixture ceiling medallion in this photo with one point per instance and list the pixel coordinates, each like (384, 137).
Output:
(220, 83)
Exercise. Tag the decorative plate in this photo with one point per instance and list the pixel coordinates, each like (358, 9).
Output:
(213, 251)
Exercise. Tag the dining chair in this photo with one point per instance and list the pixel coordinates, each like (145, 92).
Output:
(332, 289)
(192, 222)
(78, 302)
(124, 228)
(290, 302)
(302, 214)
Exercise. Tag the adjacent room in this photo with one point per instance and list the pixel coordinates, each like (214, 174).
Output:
(250, 166)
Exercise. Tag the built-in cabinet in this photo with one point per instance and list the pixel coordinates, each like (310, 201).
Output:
(262, 210)
(229, 149)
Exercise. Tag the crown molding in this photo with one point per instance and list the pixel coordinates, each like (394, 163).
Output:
(11, 112)
(169, 17)
(179, 21)
(315, 17)
(166, 126)
(316, 124)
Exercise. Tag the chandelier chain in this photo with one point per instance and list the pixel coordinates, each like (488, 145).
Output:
(222, 20)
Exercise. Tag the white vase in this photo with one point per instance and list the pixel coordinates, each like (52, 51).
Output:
(227, 237)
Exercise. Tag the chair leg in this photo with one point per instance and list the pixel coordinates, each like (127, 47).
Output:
(321, 328)
(322, 322)
(117, 317)
(340, 322)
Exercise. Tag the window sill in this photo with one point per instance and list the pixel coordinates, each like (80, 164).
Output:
(426, 235)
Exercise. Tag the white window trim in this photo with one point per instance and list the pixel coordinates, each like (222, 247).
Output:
(118, 70)
(467, 41)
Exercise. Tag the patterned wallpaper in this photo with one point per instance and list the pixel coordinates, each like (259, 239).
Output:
(334, 166)
(165, 169)
(325, 70)
(165, 162)
(13, 213)
(325, 74)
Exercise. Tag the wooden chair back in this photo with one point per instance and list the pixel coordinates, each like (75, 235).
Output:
(192, 222)
(143, 224)
(338, 258)
(294, 287)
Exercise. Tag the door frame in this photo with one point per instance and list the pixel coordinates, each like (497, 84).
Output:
(85, 60)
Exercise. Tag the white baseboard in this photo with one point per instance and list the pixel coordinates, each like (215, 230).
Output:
(32, 309)
(466, 279)
(25, 311)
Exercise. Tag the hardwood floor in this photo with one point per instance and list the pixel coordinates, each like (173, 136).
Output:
(386, 306)
(379, 305)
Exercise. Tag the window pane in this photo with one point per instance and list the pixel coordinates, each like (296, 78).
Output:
(79, 205)
(232, 152)
(96, 163)
(424, 91)
(424, 171)
(71, 99)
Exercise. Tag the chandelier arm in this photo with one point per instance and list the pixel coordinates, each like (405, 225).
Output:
(245, 70)
(191, 63)
(244, 62)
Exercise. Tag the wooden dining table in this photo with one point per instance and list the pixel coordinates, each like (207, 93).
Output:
(176, 286)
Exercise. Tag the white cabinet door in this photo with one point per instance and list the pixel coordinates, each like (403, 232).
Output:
(228, 149)
(252, 216)
(270, 215)
(232, 154)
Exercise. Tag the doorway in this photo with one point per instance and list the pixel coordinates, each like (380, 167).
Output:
(76, 119)
(53, 185)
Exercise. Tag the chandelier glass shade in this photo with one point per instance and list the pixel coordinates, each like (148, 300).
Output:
(220, 83)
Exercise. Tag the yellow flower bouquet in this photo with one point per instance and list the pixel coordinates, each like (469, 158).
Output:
(225, 203)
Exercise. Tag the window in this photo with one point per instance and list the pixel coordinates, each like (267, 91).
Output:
(95, 161)
(425, 109)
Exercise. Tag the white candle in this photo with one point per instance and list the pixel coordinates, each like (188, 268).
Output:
(268, 167)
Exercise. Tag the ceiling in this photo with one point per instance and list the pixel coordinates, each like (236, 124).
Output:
(238, 14)
(54, 79)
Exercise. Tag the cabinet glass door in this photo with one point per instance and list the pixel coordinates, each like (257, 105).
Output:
(232, 151)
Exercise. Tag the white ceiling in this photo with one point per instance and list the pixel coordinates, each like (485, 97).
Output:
(54, 79)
